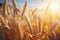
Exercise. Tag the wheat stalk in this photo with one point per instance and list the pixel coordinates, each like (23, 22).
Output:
(14, 3)
(5, 7)
(24, 9)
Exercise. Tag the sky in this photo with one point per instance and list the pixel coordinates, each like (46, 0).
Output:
(31, 3)
(1, 1)
(36, 3)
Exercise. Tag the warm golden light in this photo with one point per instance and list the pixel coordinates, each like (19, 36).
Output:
(54, 6)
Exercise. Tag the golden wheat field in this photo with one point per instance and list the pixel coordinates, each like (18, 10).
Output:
(18, 23)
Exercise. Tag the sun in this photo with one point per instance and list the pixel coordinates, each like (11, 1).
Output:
(54, 6)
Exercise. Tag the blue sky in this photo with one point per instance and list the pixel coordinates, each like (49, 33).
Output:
(31, 3)
(1, 1)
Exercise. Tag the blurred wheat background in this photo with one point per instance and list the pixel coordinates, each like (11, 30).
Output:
(18, 23)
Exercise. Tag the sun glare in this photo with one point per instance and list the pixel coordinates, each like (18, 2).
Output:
(54, 6)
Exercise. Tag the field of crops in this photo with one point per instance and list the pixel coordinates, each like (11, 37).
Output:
(18, 23)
